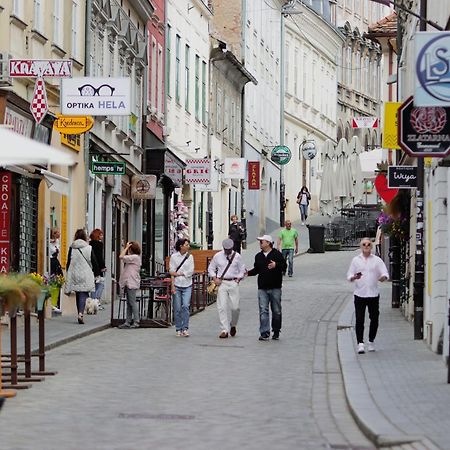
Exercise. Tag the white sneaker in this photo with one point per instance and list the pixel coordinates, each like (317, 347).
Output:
(185, 333)
(361, 348)
(371, 347)
(178, 333)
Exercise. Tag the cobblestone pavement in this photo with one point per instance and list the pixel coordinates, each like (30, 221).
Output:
(128, 389)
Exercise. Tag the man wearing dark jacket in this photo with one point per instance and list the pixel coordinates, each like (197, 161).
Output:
(269, 266)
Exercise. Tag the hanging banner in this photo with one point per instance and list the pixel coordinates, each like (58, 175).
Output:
(197, 171)
(5, 214)
(390, 125)
(254, 179)
(365, 122)
(143, 187)
(235, 168)
(48, 68)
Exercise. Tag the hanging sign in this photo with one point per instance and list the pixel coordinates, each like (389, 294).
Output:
(143, 187)
(365, 122)
(254, 178)
(385, 192)
(31, 68)
(108, 168)
(281, 155)
(404, 177)
(5, 215)
(73, 124)
(424, 131)
(197, 171)
(390, 125)
(235, 168)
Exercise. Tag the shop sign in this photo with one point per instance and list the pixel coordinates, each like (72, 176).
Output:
(96, 96)
(108, 167)
(173, 170)
(254, 175)
(404, 177)
(73, 124)
(18, 123)
(5, 213)
(197, 171)
(31, 68)
(365, 122)
(72, 141)
(390, 125)
(281, 155)
(432, 69)
(424, 131)
(235, 168)
(143, 187)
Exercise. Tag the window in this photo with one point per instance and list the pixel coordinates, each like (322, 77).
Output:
(177, 68)
(168, 57)
(366, 75)
(37, 22)
(296, 63)
(219, 110)
(197, 87)
(17, 8)
(159, 105)
(349, 66)
(204, 119)
(153, 74)
(226, 118)
(286, 68)
(358, 71)
(187, 57)
(233, 123)
(75, 27)
(58, 14)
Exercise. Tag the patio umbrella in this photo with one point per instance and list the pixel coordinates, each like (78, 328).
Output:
(326, 196)
(344, 181)
(19, 150)
(355, 149)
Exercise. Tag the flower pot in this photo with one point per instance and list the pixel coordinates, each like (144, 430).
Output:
(54, 294)
(40, 304)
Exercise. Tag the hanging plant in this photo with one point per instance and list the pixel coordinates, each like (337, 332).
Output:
(394, 226)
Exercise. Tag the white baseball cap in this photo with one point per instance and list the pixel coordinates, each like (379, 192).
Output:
(266, 237)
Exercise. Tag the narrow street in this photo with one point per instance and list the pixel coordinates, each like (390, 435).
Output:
(128, 389)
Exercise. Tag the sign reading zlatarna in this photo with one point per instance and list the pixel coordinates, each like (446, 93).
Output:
(73, 124)
(96, 96)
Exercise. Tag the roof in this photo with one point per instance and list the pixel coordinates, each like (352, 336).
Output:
(386, 27)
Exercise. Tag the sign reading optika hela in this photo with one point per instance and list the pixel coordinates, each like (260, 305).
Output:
(96, 96)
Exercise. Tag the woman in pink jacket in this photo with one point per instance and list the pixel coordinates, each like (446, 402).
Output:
(130, 281)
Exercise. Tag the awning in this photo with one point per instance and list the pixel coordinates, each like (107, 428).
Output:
(55, 182)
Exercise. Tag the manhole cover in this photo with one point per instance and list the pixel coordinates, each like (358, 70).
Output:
(155, 416)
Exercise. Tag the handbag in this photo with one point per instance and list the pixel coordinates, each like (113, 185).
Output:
(212, 287)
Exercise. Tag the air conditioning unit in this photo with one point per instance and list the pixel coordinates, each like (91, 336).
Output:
(166, 131)
(5, 79)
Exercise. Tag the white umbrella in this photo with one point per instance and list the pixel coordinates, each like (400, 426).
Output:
(19, 150)
(326, 196)
(355, 149)
(344, 182)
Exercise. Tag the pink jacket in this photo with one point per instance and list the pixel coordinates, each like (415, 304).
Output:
(130, 276)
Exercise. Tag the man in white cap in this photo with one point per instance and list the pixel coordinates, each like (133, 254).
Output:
(227, 270)
(269, 266)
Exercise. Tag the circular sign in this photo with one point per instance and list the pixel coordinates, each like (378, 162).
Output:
(308, 149)
(281, 155)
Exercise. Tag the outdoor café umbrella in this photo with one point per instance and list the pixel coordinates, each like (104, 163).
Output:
(355, 149)
(326, 196)
(344, 181)
(16, 149)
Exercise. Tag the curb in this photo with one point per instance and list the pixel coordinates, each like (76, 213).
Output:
(363, 407)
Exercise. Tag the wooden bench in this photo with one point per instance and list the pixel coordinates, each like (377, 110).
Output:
(201, 259)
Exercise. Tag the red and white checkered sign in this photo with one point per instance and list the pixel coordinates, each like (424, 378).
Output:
(39, 105)
(197, 171)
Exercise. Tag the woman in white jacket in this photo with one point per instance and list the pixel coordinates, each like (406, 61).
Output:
(82, 268)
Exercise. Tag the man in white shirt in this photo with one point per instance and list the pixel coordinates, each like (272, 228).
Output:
(365, 271)
(228, 281)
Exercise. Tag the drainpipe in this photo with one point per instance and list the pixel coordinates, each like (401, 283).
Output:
(282, 185)
(87, 70)
(243, 208)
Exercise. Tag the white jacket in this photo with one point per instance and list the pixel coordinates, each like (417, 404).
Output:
(80, 276)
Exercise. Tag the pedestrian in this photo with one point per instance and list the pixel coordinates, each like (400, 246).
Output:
(181, 269)
(82, 268)
(269, 266)
(366, 270)
(288, 244)
(227, 270)
(303, 198)
(55, 266)
(236, 232)
(96, 242)
(130, 281)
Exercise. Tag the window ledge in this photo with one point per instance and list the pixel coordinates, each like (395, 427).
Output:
(77, 64)
(17, 22)
(58, 50)
(38, 36)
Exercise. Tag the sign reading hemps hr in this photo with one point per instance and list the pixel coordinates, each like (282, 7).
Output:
(197, 171)
(5, 229)
(253, 175)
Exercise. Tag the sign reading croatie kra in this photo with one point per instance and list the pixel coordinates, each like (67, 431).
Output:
(365, 122)
(96, 96)
(40, 68)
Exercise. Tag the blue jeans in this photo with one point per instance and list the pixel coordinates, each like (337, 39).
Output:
(288, 254)
(181, 305)
(81, 301)
(99, 287)
(270, 297)
(303, 212)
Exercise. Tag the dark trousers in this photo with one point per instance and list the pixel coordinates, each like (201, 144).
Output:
(237, 246)
(373, 306)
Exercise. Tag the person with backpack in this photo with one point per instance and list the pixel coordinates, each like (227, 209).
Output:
(303, 198)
